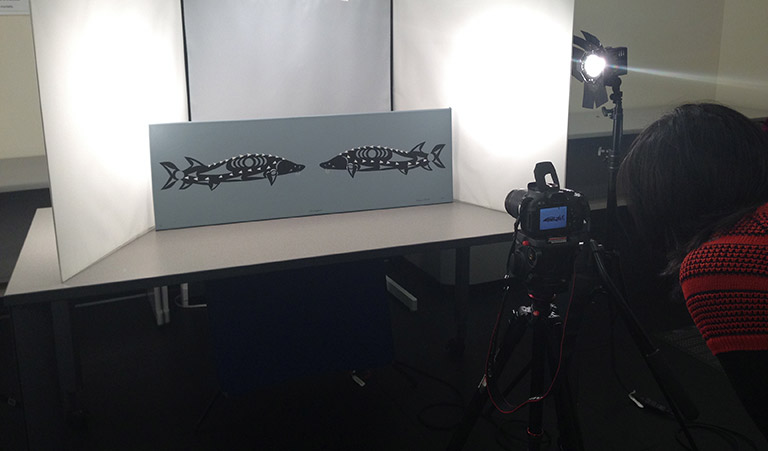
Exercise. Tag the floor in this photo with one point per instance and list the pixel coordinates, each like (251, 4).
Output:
(146, 387)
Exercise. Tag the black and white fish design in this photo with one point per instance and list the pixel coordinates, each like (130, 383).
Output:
(380, 158)
(242, 168)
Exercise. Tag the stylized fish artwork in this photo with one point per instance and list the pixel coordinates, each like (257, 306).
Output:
(242, 168)
(559, 218)
(380, 158)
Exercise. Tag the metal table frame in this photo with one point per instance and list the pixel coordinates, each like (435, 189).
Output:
(41, 304)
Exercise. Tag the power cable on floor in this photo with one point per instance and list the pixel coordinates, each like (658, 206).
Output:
(422, 414)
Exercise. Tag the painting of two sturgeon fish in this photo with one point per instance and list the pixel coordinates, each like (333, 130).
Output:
(248, 167)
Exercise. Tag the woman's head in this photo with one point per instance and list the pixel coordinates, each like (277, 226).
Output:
(691, 169)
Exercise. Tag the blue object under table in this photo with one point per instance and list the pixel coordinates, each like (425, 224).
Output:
(275, 327)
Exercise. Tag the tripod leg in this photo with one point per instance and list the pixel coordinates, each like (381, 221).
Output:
(475, 406)
(515, 332)
(567, 420)
(516, 380)
(538, 362)
(207, 410)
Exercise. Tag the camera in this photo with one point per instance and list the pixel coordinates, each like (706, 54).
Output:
(547, 212)
(553, 224)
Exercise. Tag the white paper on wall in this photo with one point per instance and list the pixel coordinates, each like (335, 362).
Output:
(283, 58)
(106, 69)
(503, 66)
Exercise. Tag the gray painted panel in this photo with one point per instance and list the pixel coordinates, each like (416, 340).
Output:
(273, 190)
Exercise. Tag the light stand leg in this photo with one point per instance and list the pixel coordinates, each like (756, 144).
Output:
(681, 405)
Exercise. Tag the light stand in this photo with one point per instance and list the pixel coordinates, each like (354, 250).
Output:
(615, 65)
(598, 67)
(679, 403)
(614, 160)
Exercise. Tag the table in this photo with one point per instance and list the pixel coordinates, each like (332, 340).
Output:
(40, 303)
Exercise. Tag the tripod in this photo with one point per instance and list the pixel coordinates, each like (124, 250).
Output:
(542, 317)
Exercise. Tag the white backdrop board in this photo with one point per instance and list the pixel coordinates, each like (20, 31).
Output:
(503, 66)
(282, 58)
(106, 69)
(230, 171)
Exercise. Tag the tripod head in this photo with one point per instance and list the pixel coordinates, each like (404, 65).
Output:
(543, 270)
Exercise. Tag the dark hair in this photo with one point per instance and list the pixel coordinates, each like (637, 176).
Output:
(691, 173)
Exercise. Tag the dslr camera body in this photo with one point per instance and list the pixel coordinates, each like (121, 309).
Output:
(552, 224)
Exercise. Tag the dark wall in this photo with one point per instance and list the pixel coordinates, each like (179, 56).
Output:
(17, 208)
(586, 171)
(654, 299)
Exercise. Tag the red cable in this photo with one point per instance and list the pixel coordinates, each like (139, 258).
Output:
(559, 360)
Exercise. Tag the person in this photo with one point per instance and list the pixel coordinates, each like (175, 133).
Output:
(696, 186)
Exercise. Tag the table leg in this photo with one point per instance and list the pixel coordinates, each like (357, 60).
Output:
(461, 297)
(67, 360)
(35, 343)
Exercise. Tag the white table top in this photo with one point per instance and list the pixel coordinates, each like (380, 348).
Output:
(186, 255)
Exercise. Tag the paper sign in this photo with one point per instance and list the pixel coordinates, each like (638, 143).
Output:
(8, 7)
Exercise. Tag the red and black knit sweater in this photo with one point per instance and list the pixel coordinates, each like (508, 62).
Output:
(725, 284)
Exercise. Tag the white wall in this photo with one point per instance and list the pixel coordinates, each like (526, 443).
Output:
(21, 132)
(107, 69)
(681, 51)
(743, 69)
(673, 47)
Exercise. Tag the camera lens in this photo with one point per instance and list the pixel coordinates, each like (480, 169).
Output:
(513, 201)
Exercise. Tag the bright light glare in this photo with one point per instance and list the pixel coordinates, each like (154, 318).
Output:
(593, 65)
(489, 88)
